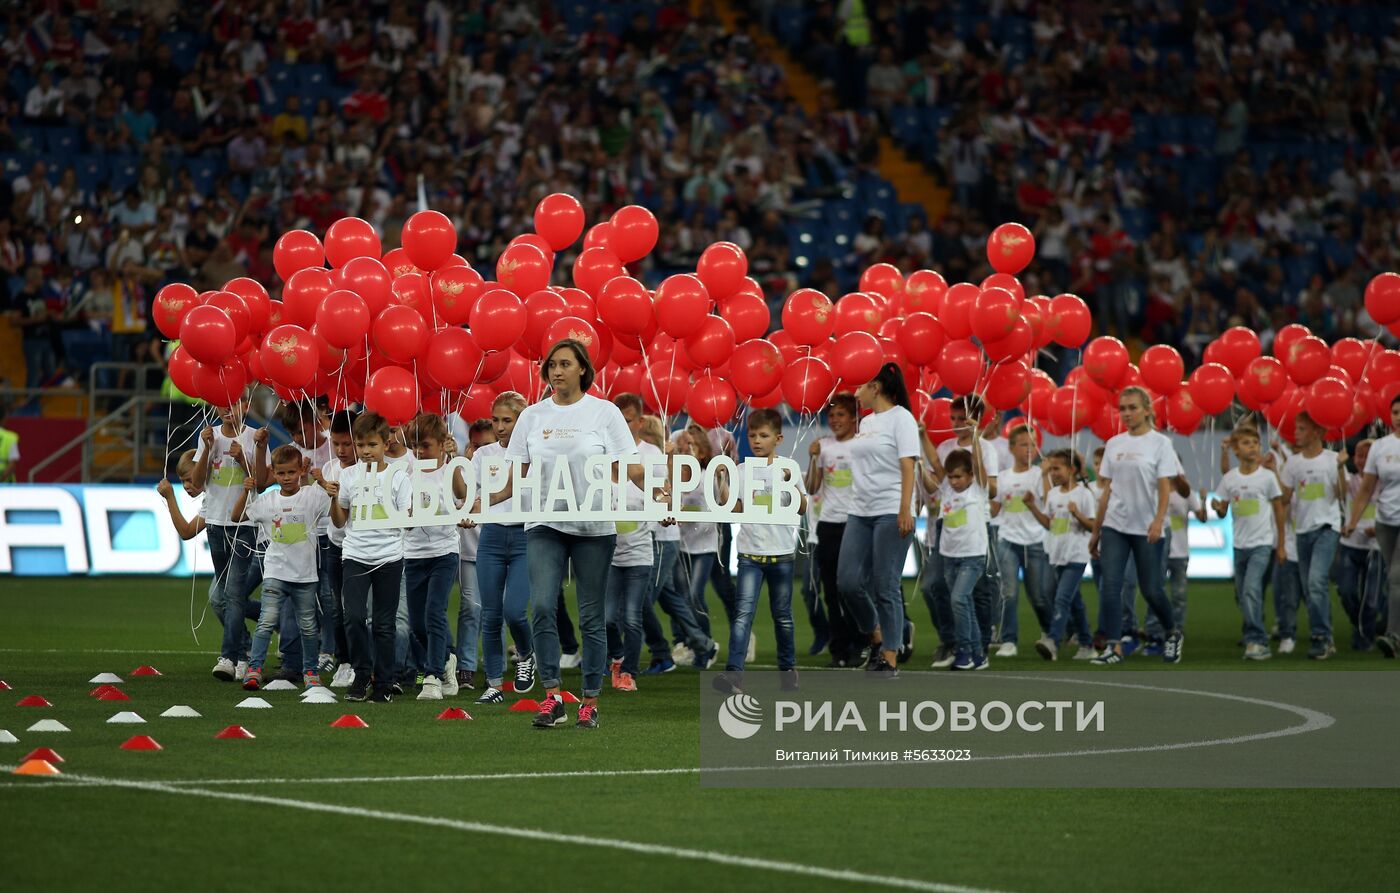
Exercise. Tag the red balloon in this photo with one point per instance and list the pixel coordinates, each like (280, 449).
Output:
(412, 290)
(938, 420)
(722, 267)
(807, 384)
(351, 237)
(748, 314)
(455, 292)
(392, 392)
(598, 236)
(1072, 408)
(1019, 343)
(396, 261)
(1353, 354)
(923, 292)
(1236, 348)
(169, 307)
(956, 310)
(857, 357)
(1362, 412)
(756, 367)
(274, 314)
(559, 219)
(1383, 298)
(429, 238)
(1008, 385)
(1286, 337)
(857, 312)
(236, 309)
(960, 366)
(624, 304)
(497, 319)
(400, 333)
(493, 366)
(1212, 388)
(180, 367)
(711, 403)
(666, 387)
(579, 330)
(302, 295)
(769, 400)
(368, 278)
(1007, 282)
(883, 279)
(634, 232)
(1044, 333)
(296, 250)
(208, 335)
(789, 348)
(1383, 369)
(523, 269)
(1010, 248)
(1329, 402)
(1106, 361)
(922, 337)
(994, 314)
(221, 385)
(290, 356)
(808, 316)
(584, 307)
(594, 267)
(1162, 368)
(542, 310)
(711, 344)
(328, 359)
(1307, 360)
(682, 303)
(1183, 414)
(1069, 321)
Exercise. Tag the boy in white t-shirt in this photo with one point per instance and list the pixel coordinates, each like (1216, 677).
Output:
(372, 559)
(765, 556)
(963, 545)
(1020, 544)
(288, 517)
(1312, 481)
(1360, 568)
(629, 584)
(342, 441)
(1068, 518)
(1252, 496)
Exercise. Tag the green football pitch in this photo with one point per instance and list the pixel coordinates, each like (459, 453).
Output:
(411, 802)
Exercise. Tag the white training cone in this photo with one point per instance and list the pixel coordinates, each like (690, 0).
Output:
(280, 685)
(48, 725)
(180, 710)
(324, 696)
(106, 678)
(257, 703)
(7, 738)
(315, 690)
(126, 716)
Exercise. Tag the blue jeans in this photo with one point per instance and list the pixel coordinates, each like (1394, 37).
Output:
(1176, 575)
(429, 584)
(1288, 592)
(1130, 594)
(550, 553)
(1359, 584)
(1116, 550)
(231, 547)
(935, 591)
(1012, 559)
(327, 610)
(962, 575)
(504, 583)
(1069, 605)
(870, 575)
(628, 588)
(1250, 567)
(303, 602)
(468, 616)
(752, 575)
(371, 594)
(682, 598)
(1316, 549)
(692, 576)
(333, 573)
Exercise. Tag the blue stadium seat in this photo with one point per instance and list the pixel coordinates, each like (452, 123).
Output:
(62, 140)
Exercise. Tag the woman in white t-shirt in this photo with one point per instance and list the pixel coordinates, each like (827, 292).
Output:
(567, 428)
(1360, 565)
(880, 523)
(1138, 467)
(1313, 484)
(1381, 482)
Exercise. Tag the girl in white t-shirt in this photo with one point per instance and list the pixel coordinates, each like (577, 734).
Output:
(1360, 567)
(1252, 496)
(1312, 481)
(831, 479)
(1020, 541)
(342, 441)
(1381, 482)
(1068, 518)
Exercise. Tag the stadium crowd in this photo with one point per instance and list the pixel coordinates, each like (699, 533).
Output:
(1184, 170)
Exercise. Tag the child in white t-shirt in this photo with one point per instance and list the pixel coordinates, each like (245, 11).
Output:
(1252, 496)
(1068, 517)
(1181, 505)
(1360, 567)
(629, 584)
(288, 516)
(342, 442)
(962, 543)
(1020, 541)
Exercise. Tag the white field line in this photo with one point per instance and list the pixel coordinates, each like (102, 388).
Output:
(541, 836)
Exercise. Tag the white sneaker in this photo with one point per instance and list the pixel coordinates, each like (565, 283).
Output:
(753, 648)
(1257, 652)
(432, 689)
(344, 676)
(682, 654)
(223, 669)
(240, 670)
(1006, 649)
(449, 678)
(1085, 652)
(1046, 648)
(569, 661)
(1286, 646)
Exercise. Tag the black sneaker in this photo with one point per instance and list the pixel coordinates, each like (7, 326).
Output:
(551, 713)
(875, 658)
(359, 690)
(789, 680)
(466, 679)
(525, 674)
(1387, 645)
(287, 674)
(819, 643)
(1109, 656)
(587, 717)
(727, 683)
(396, 688)
(882, 669)
(907, 651)
(382, 696)
(706, 659)
(492, 696)
(1171, 649)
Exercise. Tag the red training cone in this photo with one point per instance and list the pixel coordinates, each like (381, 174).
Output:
(114, 694)
(141, 742)
(234, 732)
(568, 697)
(47, 754)
(37, 767)
(101, 690)
(145, 671)
(33, 701)
(349, 721)
(4, 686)
(525, 705)
(454, 713)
